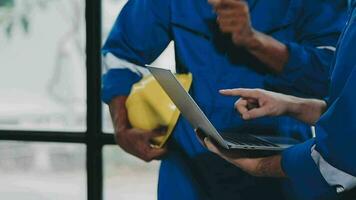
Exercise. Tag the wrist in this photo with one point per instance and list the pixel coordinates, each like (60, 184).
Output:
(255, 41)
(293, 106)
(306, 110)
(268, 50)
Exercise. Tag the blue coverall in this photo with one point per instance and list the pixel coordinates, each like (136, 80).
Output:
(335, 133)
(309, 28)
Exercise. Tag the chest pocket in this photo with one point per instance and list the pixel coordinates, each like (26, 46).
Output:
(193, 16)
(280, 15)
(193, 23)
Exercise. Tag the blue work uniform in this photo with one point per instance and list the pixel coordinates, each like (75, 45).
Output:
(325, 167)
(144, 28)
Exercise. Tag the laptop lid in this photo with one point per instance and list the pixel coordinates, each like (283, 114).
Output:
(185, 103)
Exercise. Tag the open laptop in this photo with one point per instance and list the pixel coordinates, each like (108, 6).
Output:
(191, 111)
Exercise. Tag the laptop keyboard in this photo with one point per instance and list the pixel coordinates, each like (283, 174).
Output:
(246, 139)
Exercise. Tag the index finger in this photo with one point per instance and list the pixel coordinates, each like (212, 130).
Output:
(246, 93)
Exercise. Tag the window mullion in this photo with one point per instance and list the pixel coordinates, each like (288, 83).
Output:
(94, 125)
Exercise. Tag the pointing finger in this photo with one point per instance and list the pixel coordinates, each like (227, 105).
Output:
(246, 93)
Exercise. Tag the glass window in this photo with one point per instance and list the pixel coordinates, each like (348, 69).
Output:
(126, 177)
(42, 65)
(42, 171)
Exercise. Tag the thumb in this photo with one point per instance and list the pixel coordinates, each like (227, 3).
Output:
(211, 146)
(157, 153)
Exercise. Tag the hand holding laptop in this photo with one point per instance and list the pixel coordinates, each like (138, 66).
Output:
(254, 103)
(230, 146)
(197, 118)
(261, 167)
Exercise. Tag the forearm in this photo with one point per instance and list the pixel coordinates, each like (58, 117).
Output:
(118, 113)
(269, 51)
(271, 167)
(306, 110)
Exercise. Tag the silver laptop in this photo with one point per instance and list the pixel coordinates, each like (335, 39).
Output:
(191, 111)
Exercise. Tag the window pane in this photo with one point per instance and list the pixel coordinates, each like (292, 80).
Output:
(42, 65)
(42, 171)
(126, 177)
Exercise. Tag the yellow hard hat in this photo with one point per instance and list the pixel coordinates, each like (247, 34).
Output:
(149, 107)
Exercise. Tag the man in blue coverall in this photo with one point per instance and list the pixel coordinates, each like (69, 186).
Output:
(323, 167)
(280, 45)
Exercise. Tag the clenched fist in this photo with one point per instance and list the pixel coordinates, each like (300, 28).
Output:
(233, 17)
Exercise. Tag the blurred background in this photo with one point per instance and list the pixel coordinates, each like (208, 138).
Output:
(43, 88)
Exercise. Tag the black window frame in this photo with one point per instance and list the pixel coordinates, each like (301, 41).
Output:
(94, 138)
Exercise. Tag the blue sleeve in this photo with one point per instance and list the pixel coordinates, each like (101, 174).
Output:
(139, 35)
(336, 139)
(335, 131)
(304, 174)
(307, 71)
